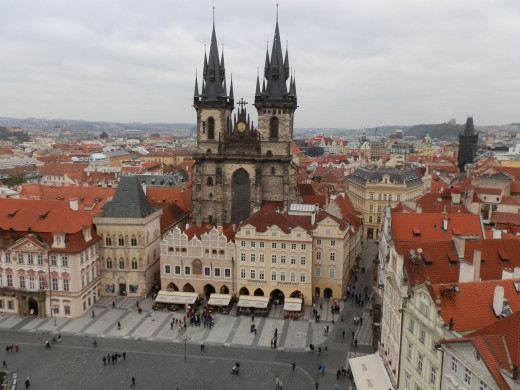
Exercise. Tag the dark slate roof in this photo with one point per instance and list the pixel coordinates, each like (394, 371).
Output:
(117, 153)
(177, 179)
(129, 201)
(397, 176)
(469, 128)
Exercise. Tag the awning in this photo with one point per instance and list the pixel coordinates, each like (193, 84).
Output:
(176, 297)
(219, 299)
(369, 373)
(253, 301)
(292, 304)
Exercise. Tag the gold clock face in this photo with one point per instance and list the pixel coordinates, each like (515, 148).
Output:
(241, 126)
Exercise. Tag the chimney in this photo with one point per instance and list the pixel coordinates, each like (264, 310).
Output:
(477, 257)
(444, 222)
(498, 300)
(451, 323)
(460, 245)
(313, 218)
(455, 196)
(418, 209)
(497, 234)
(73, 204)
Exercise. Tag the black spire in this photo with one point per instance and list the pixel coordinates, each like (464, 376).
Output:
(469, 128)
(276, 72)
(196, 92)
(214, 87)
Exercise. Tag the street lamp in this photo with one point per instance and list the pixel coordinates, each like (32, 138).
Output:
(54, 311)
(185, 338)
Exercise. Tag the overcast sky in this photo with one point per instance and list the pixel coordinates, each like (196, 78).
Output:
(357, 62)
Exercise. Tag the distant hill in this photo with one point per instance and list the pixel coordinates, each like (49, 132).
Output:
(444, 131)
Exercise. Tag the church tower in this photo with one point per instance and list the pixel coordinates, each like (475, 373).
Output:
(238, 168)
(467, 144)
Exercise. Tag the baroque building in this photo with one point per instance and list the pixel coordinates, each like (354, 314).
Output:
(130, 233)
(48, 259)
(238, 169)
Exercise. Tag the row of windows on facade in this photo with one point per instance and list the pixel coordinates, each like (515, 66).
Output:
(122, 264)
(283, 258)
(22, 258)
(177, 270)
(283, 245)
(384, 197)
(273, 126)
(31, 281)
(274, 276)
(468, 375)
(121, 241)
(171, 249)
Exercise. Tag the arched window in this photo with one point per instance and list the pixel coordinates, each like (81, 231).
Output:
(109, 263)
(208, 151)
(211, 128)
(273, 170)
(133, 241)
(134, 263)
(210, 195)
(121, 263)
(108, 241)
(269, 153)
(209, 182)
(121, 241)
(273, 127)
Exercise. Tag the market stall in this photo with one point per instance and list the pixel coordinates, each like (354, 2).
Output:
(292, 308)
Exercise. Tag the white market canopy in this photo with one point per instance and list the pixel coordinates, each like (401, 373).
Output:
(369, 373)
(176, 297)
(219, 299)
(292, 304)
(253, 301)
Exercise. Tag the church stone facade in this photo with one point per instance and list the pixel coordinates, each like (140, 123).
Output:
(239, 168)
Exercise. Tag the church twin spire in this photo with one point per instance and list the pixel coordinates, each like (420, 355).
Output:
(274, 83)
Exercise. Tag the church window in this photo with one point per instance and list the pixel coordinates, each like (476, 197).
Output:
(121, 264)
(211, 128)
(133, 241)
(241, 195)
(210, 195)
(109, 263)
(121, 241)
(134, 263)
(209, 182)
(208, 151)
(273, 127)
(269, 153)
(108, 241)
(273, 170)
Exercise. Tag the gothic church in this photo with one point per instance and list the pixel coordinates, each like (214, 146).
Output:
(239, 168)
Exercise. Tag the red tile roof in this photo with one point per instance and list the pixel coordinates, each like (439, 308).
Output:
(472, 307)
(438, 203)
(181, 197)
(53, 169)
(430, 226)
(228, 230)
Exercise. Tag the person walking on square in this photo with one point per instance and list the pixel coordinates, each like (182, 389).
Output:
(104, 360)
(27, 383)
(133, 382)
(118, 325)
(343, 333)
(124, 356)
(323, 369)
(5, 364)
(293, 366)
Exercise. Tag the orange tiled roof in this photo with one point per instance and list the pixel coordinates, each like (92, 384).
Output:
(428, 227)
(53, 169)
(180, 197)
(438, 203)
(471, 308)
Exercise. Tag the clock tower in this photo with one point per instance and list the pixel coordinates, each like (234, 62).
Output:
(239, 168)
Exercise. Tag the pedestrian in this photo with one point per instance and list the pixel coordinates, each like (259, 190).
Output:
(27, 383)
(353, 335)
(319, 351)
(137, 304)
(252, 318)
(336, 387)
(293, 366)
(342, 318)
(171, 325)
(323, 369)
(16, 348)
(113, 304)
(326, 350)
(93, 314)
(343, 333)
(272, 342)
(108, 358)
(118, 325)
(202, 346)
(321, 306)
(133, 382)
(338, 374)
(139, 310)
(59, 337)
(104, 360)
(124, 356)
(355, 343)
(7, 349)
(94, 344)
(5, 364)
(316, 385)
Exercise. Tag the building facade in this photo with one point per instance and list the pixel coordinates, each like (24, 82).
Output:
(130, 233)
(372, 189)
(238, 168)
(198, 260)
(48, 259)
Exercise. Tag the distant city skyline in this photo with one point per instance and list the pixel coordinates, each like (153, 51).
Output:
(357, 64)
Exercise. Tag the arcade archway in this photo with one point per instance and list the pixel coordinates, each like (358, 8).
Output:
(172, 287)
(243, 291)
(188, 288)
(259, 292)
(208, 290)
